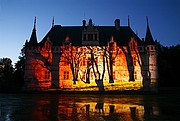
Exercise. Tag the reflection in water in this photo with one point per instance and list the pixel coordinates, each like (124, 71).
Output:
(58, 107)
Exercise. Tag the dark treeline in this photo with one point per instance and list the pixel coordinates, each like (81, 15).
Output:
(11, 78)
(169, 66)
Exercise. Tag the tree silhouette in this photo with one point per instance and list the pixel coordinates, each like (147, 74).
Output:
(111, 54)
(72, 57)
(19, 69)
(98, 74)
(6, 74)
(129, 59)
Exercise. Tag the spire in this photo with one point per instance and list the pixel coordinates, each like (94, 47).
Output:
(33, 38)
(148, 38)
(53, 22)
(128, 21)
(147, 20)
(35, 23)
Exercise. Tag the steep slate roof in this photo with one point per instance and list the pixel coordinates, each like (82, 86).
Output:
(58, 33)
(33, 38)
(148, 38)
(125, 36)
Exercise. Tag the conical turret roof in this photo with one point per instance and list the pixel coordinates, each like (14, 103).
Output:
(148, 38)
(33, 38)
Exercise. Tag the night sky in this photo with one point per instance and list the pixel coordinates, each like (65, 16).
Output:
(17, 19)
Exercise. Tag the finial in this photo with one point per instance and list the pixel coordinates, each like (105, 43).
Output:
(147, 20)
(35, 22)
(128, 21)
(90, 22)
(53, 22)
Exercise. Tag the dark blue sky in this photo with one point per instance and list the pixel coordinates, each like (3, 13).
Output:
(17, 18)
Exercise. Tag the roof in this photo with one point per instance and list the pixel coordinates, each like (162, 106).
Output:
(148, 38)
(58, 33)
(33, 38)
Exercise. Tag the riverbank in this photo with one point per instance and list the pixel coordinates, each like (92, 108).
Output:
(160, 90)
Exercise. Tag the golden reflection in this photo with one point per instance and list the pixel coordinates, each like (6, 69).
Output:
(94, 108)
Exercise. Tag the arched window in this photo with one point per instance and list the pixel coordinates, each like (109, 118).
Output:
(47, 75)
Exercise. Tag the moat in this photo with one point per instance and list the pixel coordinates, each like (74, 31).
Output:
(79, 107)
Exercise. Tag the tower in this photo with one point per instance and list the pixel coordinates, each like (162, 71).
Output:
(151, 68)
(29, 75)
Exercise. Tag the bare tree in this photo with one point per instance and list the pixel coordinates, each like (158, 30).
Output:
(129, 59)
(111, 54)
(72, 57)
(99, 76)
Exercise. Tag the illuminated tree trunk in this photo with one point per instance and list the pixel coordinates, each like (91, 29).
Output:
(72, 57)
(111, 54)
(97, 74)
(129, 61)
(88, 74)
(74, 70)
(51, 62)
(109, 62)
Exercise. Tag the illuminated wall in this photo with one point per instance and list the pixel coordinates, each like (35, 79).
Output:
(94, 63)
(38, 72)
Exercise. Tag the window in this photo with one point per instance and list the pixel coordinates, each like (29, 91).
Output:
(47, 75)
(152, 48)
(64, 61)
(84, 37)
(147, 48)
(66, 75)
(113, 62)
(90, 37)
(135, 75)
(95, 37)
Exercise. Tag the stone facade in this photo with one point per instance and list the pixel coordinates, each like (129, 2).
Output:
(90, 57)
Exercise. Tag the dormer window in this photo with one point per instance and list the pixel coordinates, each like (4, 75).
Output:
(90, 37)
(95, 37)
(90, 34)
(84, 37)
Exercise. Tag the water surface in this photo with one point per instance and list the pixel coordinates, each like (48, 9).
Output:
(66, 107)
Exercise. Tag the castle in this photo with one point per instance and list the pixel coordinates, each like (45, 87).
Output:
(91, 58)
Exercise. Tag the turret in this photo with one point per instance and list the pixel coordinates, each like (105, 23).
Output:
(117, 24)
(33, 38)
(84, 23)
(151, 71)
(148, 38)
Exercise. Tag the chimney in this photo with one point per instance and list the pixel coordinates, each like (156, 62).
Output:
(117, 24)
(84, 23)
